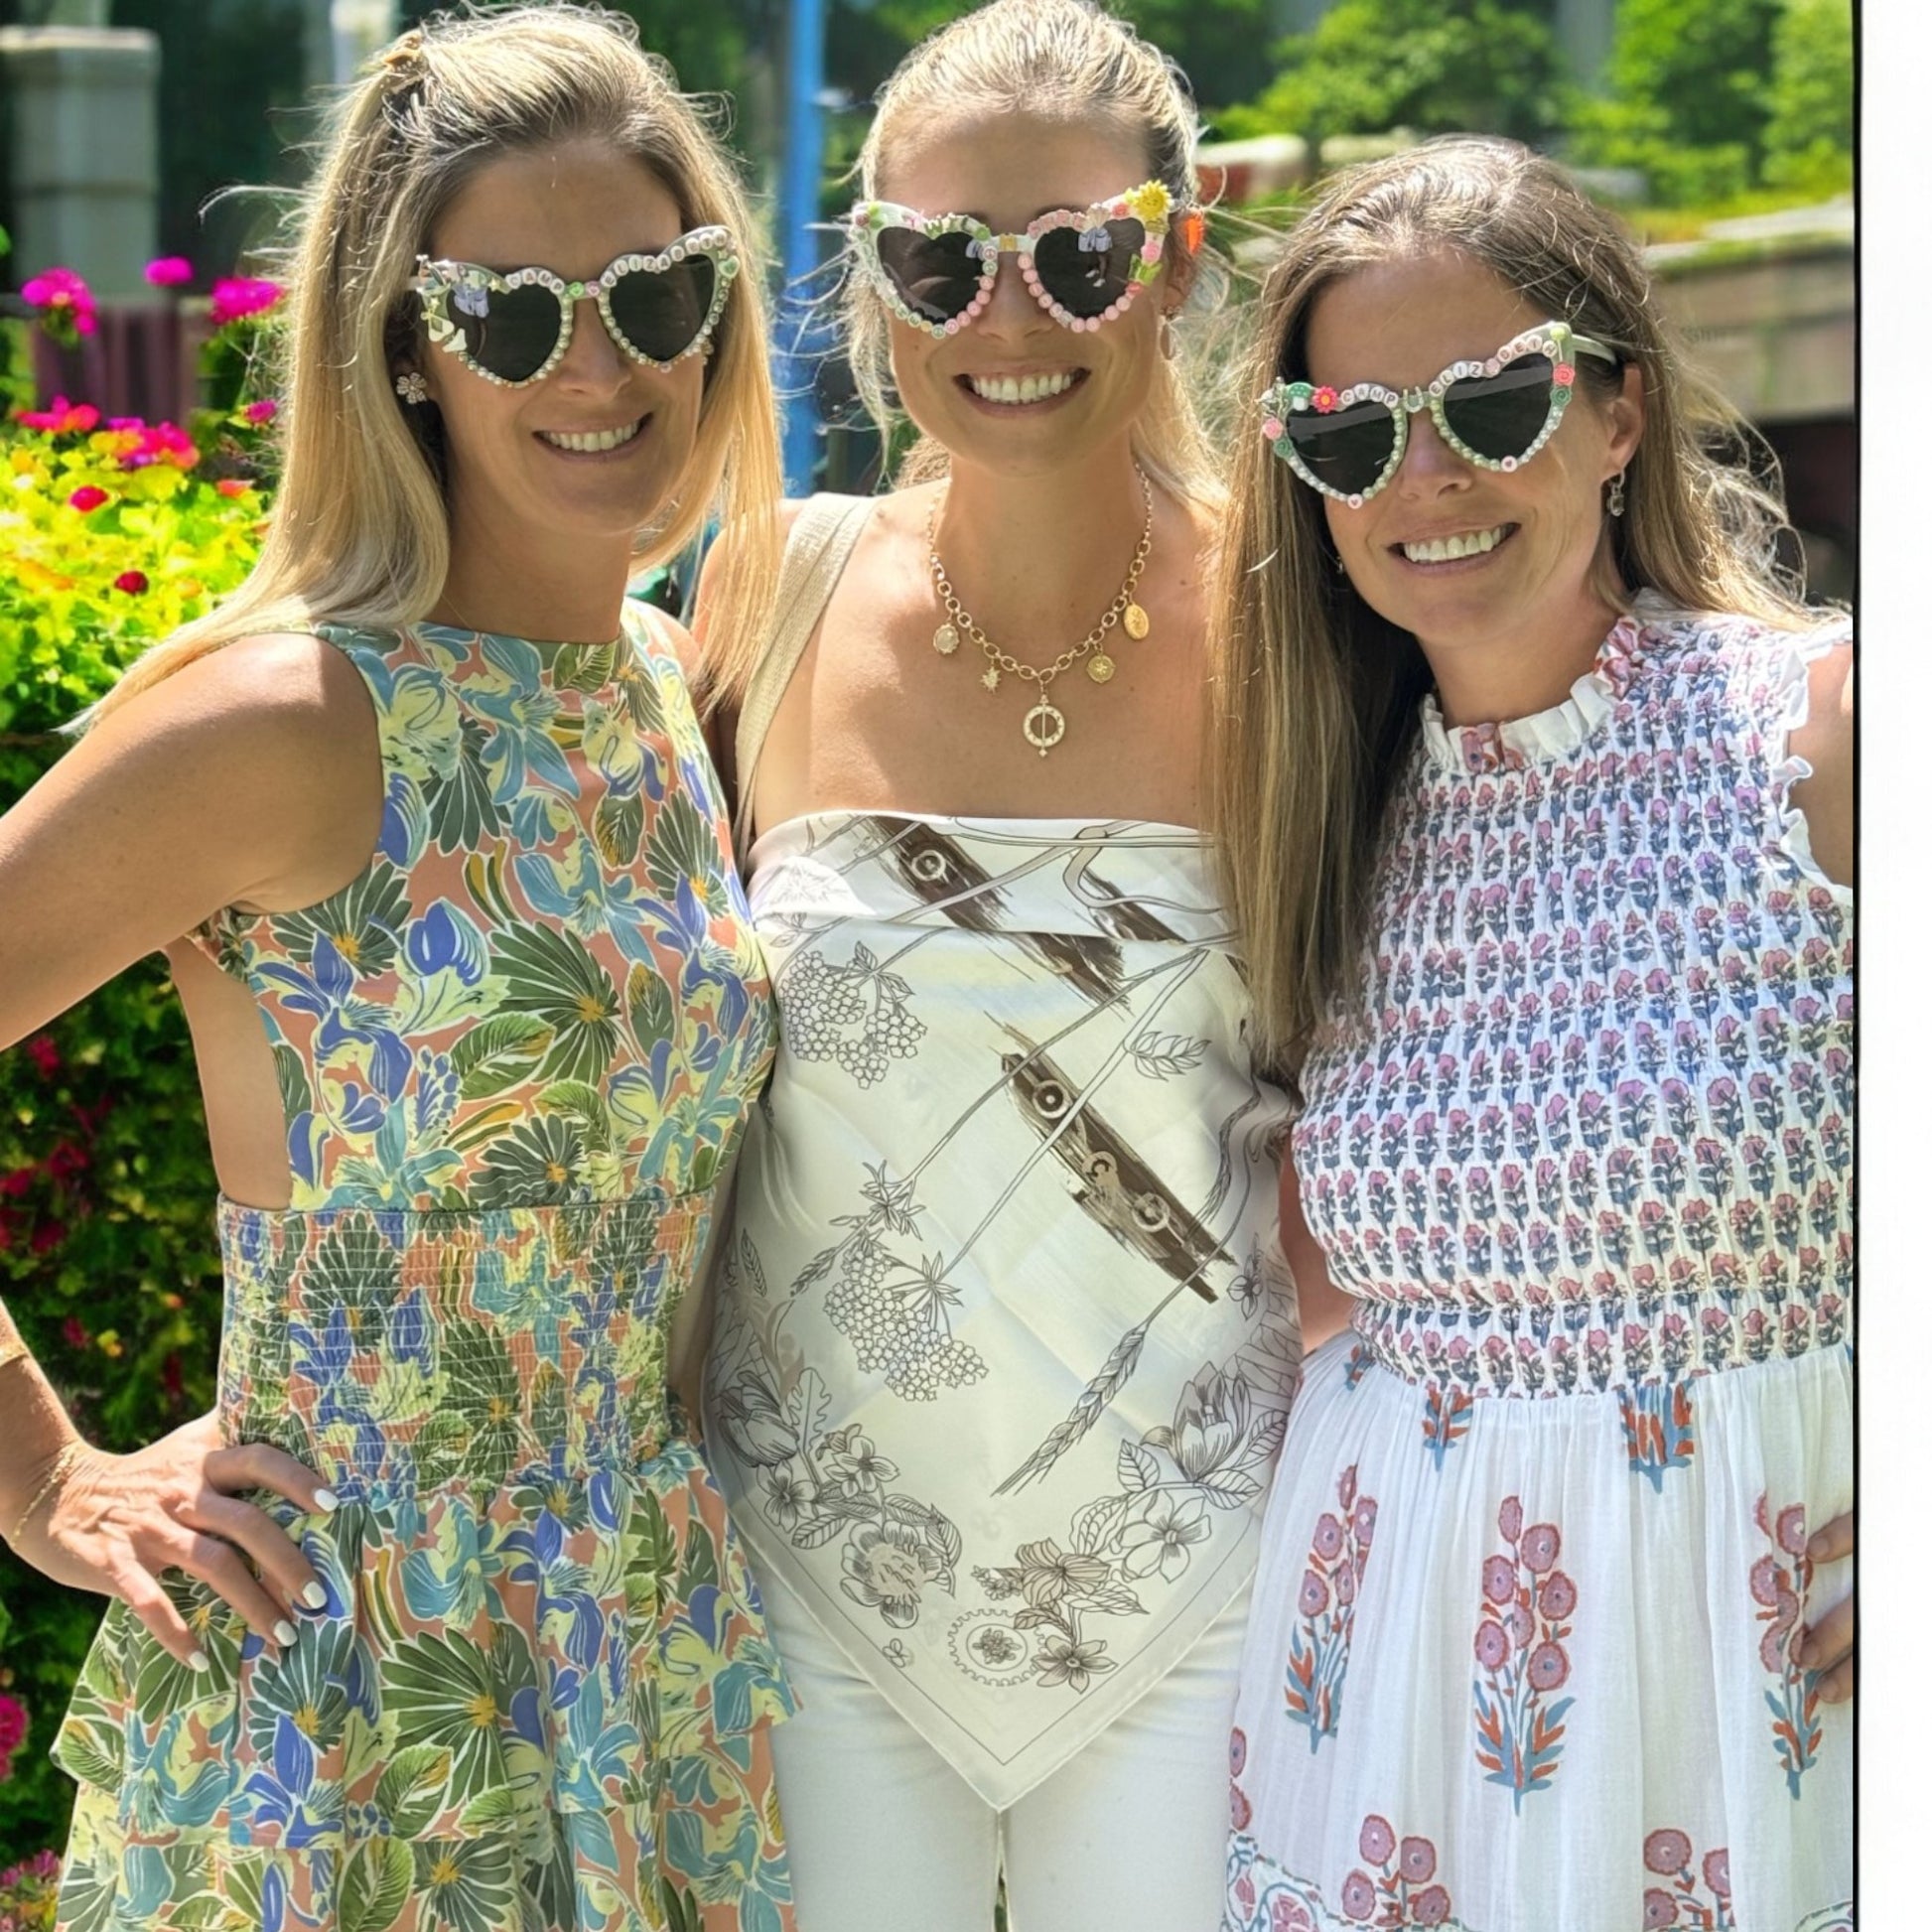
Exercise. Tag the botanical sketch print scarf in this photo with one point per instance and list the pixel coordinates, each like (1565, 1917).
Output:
(1004, 1341)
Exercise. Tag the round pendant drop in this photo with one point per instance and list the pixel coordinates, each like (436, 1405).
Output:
(990, 677)
(945, 640)
(1044, 725)
(1100, 668)
(1133, 621)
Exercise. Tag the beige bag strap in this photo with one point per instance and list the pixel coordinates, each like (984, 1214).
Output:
(821, 540)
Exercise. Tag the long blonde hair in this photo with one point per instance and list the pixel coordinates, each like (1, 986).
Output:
(1316, 697)
(360, 531)
(1051, 57)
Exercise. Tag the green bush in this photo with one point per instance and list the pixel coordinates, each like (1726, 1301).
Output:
(107, 1256)
(1435, 65)
(1808, 135)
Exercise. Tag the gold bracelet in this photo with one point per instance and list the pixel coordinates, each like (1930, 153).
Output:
(57, 1474)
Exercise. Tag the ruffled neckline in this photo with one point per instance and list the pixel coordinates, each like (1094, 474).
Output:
(1565, 728)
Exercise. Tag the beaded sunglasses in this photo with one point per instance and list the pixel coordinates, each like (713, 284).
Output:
(1083, 266)
(513, 329)
(1495, 413)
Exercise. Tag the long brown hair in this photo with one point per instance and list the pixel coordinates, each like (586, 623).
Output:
(360, 531)
(1315, 696)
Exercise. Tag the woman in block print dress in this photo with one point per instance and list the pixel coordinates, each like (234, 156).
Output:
(1551, 1624)
(438, 1620)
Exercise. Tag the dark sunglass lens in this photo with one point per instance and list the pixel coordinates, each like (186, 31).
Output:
(660, 314)
(936, 275)
(514, 335)
(1347, 449)
(1501, 415)
(1086, 273)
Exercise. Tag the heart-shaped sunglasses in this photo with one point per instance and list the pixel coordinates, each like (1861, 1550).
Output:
(1083, 266)
(1495, 413)
(513, 329)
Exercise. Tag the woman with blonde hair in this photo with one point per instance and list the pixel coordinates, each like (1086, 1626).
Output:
(1003, 1345)
(1534, 796)
(437, 1620)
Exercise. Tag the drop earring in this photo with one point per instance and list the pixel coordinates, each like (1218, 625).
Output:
(411, 386)
(1169, 346)
(1616, 494)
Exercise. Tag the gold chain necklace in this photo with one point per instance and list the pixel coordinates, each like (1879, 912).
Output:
(1045, 724)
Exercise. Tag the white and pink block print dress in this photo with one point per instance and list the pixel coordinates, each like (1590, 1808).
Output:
(1523, 1651)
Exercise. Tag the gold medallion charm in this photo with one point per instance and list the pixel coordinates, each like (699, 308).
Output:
(990, 677)
(1133, 621)
(945, 640)
(1044, 725)
(1100, 668)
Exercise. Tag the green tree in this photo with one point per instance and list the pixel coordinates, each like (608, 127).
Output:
(1436, 65)
(1687, 101)
(1808, 136)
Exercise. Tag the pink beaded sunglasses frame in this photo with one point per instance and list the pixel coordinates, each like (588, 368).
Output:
(937, 272)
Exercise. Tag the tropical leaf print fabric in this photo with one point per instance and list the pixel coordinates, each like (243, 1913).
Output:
(514, 1055)
(1583, 1155)
(1004, 1341)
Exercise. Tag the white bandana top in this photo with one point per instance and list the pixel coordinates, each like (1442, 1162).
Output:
(1004, 1341)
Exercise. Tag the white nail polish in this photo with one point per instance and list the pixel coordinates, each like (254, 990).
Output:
(314, 1596)
(326, 1500)
(197, 1662)
(285, 1633)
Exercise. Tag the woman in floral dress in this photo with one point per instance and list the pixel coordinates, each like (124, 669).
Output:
(1004, 1344)
(438, 1620)
(1552, 1625)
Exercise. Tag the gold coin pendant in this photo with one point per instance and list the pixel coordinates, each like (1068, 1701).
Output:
(1133, 621)
(945, 640)
(1100, 668)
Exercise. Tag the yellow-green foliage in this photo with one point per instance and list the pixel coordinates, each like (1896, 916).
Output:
(115, 537)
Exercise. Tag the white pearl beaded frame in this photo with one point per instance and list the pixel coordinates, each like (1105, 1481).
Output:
(440, 283)
(1150, 203)
(1556, 340)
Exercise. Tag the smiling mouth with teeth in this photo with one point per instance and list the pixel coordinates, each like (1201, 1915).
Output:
(591, 441)
(1023, 389)
(1467, 543)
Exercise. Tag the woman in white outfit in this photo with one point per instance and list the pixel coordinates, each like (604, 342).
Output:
(1004, 1344)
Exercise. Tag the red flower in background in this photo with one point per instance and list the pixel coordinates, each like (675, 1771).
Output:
(88, 497)
(46, 1056)
(133, 581)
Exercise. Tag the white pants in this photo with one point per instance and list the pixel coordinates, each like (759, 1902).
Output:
(1130, 1836)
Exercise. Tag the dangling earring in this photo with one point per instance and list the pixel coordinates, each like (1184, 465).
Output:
(1616, 494)
(1169, 347)
(411, 387)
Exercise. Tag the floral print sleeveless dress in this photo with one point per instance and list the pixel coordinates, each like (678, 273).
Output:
(514, 1054)
(1523, 1651)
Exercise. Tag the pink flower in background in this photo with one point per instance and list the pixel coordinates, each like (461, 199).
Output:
(45, 1056)
(155, 443)
(13, 1725)
(61, 417)
(89, 497)
(237, 297)
(169, 271)
(66, 302)
(260, 411)
(133, 581)
(232, 486)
